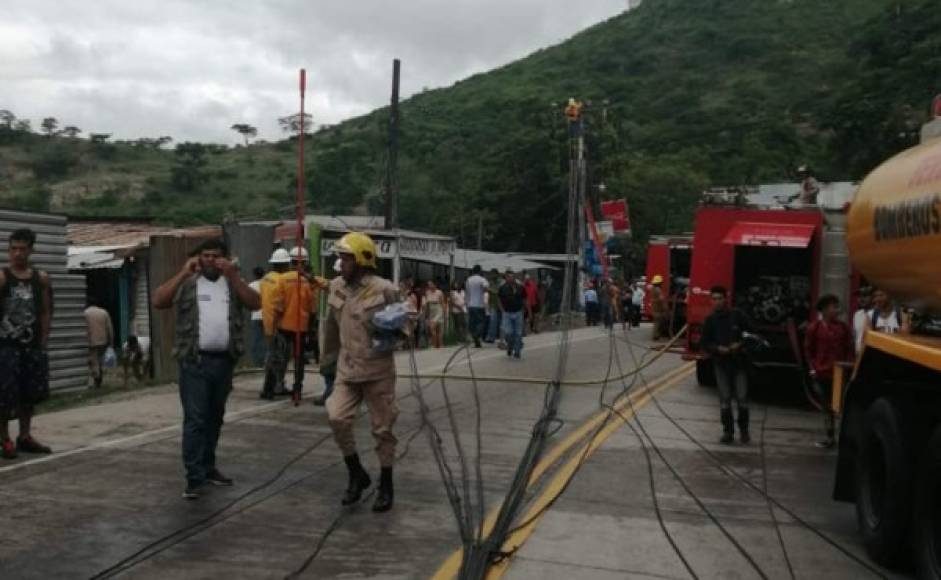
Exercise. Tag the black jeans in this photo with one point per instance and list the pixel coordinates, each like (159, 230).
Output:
(477, 321)
(204, 389)
(298, 360)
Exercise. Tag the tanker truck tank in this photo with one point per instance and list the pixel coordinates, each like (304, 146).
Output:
(894, 229)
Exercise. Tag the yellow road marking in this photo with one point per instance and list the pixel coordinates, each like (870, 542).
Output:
(450, 568)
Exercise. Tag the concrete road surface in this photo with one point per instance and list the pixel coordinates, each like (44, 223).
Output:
(107, 503)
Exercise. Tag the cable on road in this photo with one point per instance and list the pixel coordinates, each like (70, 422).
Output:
(730, 471)
(171, 539)
(342, 512)
(683, 483)
(764, 487)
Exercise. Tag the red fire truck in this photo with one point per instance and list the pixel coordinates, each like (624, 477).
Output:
(775, 261)
(669, 257)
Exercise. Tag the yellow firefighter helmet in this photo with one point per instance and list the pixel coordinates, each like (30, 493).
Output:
(360, 246)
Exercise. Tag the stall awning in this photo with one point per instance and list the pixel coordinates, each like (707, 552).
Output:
(770, 234)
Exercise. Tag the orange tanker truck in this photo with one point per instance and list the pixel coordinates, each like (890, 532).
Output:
(889, 461)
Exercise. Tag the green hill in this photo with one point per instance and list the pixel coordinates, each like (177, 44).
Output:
(683, 94)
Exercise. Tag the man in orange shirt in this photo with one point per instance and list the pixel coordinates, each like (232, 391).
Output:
(295, 303)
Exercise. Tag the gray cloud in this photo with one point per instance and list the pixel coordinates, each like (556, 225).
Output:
(191, 69)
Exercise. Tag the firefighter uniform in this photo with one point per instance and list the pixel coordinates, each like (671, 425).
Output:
(362, 373)
(658, 310)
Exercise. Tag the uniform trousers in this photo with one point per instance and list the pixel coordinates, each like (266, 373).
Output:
(383, 411)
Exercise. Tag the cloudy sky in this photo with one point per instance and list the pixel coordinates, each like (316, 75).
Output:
(190, 69)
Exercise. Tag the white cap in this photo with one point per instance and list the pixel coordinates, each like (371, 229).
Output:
(280, 256)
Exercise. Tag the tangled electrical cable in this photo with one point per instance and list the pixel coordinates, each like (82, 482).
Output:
(730, 471)
(221, 514)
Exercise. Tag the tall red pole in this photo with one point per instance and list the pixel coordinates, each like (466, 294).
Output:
(299, 238)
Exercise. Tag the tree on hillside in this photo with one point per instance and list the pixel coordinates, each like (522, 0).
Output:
(49, 126)
(292, 123)
(101, 147)
(152, 143)
(23, 125)
(7, 118)
(71, 131)
(245, 130)
(188, 171)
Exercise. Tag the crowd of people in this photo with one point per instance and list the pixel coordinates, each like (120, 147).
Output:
(213, 302)
(491, 308)
(828, 343)
(610, 302)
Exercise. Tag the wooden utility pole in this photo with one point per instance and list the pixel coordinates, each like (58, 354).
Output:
(392, 185)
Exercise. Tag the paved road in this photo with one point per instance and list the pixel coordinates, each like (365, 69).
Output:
(111, 493)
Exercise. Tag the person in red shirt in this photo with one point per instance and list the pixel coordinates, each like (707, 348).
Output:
(531, 290)
(828, 341)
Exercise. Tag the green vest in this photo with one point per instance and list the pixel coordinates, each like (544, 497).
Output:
(186, 343)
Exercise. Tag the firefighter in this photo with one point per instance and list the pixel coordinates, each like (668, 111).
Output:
(362, 371)
(658, 308)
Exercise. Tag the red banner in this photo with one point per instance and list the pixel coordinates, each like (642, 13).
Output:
(616, 212)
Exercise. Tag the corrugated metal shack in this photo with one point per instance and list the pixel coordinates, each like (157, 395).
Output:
(68, 341)
(118, 259)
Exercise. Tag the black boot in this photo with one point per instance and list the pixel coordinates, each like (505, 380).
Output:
(384, 499)
(728, 427)
(743, 425)
(359, 480)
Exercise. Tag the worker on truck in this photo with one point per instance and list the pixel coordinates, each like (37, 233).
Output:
(723, 337)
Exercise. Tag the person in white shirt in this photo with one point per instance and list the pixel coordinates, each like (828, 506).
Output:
(476, 293)
(458, 307)
(885, 316)
(211, 301)
(258, 346)
(861, 316)
(637, 303)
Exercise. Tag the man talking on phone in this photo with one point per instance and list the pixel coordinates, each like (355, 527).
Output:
(211, 300)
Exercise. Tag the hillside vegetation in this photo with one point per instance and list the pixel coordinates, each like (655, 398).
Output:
(682, 94)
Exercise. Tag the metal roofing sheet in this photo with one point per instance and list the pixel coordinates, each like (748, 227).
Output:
(129, 234)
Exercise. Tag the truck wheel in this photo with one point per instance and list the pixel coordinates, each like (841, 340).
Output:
(883, 472)
(927, 512)
(705, 374)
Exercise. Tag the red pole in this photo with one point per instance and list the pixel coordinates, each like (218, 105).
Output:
(299, 237)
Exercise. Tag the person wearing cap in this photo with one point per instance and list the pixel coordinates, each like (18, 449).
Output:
(275, 359)
(362, 372)
(658, 308)
(810, 187)
(295, 301)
